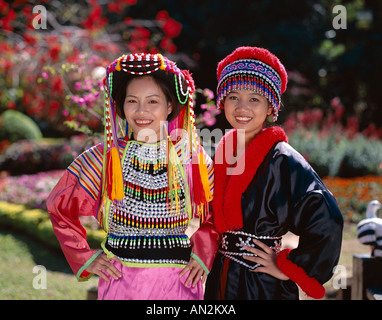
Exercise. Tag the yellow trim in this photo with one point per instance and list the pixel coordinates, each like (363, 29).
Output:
(162, 66)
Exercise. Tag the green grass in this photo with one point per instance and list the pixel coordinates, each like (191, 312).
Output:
(19, 255)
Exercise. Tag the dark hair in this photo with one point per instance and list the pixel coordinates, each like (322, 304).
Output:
(163, 79)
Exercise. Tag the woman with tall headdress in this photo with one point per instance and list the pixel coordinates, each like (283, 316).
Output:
(143, 188)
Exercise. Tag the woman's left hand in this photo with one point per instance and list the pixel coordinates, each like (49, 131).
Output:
(267, 258)
(197, 273)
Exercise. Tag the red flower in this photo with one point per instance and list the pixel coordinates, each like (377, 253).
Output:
(162, 15)
(54, 105)
(128, 20)
(4, 46)
(171, 28)
(27, 99)
(11, 105)
(57, 85)
(140, 32)
(114, 7)
(3, 7)
(7, 20)
(54, 52)
(105, 47)
(95, 20)
(30, 39)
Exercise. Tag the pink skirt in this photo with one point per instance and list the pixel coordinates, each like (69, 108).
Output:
(161, 283)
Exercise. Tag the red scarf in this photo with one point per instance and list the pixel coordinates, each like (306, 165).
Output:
(229, 188)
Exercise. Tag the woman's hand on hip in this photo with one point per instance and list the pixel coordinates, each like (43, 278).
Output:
(103, 267)
(267, 259)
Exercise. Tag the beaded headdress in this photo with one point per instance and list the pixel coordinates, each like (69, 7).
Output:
(146, 64)
(255, 69)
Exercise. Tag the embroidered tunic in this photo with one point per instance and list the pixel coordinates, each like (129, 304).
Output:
(142, 230)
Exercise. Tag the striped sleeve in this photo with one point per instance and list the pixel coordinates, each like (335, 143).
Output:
(88, 169)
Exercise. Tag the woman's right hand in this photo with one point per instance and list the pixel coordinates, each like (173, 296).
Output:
(102, 267)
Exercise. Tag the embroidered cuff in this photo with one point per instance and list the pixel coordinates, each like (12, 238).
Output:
(309, 285)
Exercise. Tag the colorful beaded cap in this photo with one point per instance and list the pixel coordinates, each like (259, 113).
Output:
(251, 68)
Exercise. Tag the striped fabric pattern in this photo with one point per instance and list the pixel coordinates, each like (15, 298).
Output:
(87, 167)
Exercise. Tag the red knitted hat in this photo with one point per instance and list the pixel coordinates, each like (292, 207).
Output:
(252, 68)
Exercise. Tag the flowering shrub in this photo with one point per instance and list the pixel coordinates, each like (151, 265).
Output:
(336, 155)
(334, 148)
(353, 195)
(36, 223)
(26, 156)
(54, 75)
(30, 190)
(333, 122)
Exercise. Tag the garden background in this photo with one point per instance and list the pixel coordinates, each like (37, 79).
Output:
(51, 74)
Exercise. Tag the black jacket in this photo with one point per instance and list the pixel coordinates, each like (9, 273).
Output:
(284, 195)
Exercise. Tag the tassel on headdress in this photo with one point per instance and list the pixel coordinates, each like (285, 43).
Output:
(113, 172)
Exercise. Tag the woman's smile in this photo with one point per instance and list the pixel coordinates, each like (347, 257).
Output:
(243, 119)
(143, 122)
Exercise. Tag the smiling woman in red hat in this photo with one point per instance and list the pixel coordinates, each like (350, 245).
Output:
(267, 192)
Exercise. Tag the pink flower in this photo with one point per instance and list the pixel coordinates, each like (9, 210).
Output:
(78, 85)
(210, 122)
(208, 93)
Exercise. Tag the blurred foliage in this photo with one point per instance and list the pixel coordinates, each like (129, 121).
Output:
(36, 223)
(32, 156)
(15, 125)
(334, 148)
(337, 155)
